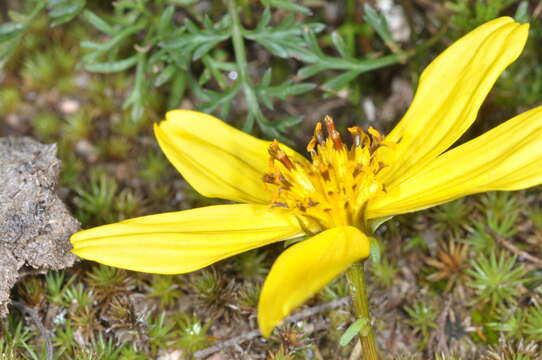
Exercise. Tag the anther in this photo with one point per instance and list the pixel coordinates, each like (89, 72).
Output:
(311, 147)
(357, 171)
(376, 138)
(284, 182)
(277, 153)
(330, 125)
(356, 135)
(381, 166)
(333, 133)
(324, 171)
(279, 204)
(312, 203)
(269, 179)
(319, 134)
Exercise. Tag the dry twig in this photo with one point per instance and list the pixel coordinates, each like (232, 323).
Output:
(235, 341)
(511, 247)
(37, 321)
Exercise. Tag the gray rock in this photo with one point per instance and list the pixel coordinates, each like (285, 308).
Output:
(35, 225)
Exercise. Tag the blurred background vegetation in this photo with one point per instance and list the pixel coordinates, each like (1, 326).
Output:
(461, 281)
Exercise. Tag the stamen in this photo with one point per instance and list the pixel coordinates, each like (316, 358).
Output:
(335, 187)
(280, 204)
(333, 133)
(357, 171)
(324, 171)
(269, 179)
(311, 147)
(277, 153)
(356, 135)
(375, 134)
(319, 134)
(283, 181)
(312, 203)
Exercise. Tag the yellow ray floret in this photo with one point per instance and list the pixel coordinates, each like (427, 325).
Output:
(184, 241)
(306, 267)
(450, 93)
(214, 157)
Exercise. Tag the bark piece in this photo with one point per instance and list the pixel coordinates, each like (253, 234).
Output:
(34, 223)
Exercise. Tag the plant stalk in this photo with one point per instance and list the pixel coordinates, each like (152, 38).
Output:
(358, 292)
(238, 41)
(242, 67)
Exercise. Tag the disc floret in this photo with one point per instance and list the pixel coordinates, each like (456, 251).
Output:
(334, 187)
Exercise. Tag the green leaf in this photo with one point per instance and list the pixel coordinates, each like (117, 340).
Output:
(6, 50)
(284, 124)
(112, 66)
(288, 88)
(178, 88)
(213, 70)
(217, 99)
(62, 11)
(98, 22)
(311, 70)
(10, 30)
(265, 19)
(360, 325)
(199, 42)
(165, 20)
(165, 75)
(203, 49)
(375, 224)
(136, 99)
(339, 82)
(266, 92)
(289, 242)
(339, 44)
(91, 45)
(109, 47)
(312, 42)
(184, 3)
(266, 79)
(378, 22)
(285, 40)
(522, 12)
(288, 5)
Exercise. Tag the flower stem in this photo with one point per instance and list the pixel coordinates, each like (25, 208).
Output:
(358, 292)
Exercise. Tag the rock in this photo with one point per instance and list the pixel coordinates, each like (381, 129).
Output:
(34, 223)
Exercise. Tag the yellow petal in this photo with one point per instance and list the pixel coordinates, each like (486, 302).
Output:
(214, 157)
(450, 93)
(304, 268)
(508, 157)
(184, 241)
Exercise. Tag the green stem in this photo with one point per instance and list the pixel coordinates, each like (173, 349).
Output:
(358, 292)
(242, 67)
(238, 42)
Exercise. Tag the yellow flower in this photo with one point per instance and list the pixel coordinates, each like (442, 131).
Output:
(334, 195)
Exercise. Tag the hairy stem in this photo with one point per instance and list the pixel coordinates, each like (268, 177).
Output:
(358, 292)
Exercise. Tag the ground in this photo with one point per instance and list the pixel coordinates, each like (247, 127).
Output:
(460, 281)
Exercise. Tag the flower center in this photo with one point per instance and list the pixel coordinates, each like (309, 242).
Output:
(334, 188)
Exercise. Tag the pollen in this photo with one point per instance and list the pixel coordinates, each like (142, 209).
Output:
(333, 188)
